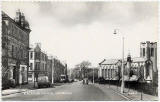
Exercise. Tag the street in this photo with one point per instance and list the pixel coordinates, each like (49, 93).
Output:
(75, 91)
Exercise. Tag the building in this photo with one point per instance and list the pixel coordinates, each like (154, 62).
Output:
(76, 73)
(92, 72)
(110, 69)
(50, 68)
(15, 48)
(60, 68)
(38, 63)
(141, 69)
(148, 50)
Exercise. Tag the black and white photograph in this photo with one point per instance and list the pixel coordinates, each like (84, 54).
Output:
(79, 50)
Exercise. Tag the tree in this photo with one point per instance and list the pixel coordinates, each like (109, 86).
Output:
(83, 67)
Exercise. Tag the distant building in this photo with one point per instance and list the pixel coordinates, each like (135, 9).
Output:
(76, 73)
(59, 69)
(142, 69)
(37, 63)
(15, 48)
(109, 69)
(92, 72)
(146, 63)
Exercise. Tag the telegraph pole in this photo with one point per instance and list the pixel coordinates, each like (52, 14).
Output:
(122, 69)
(93, 75)
(122, 84)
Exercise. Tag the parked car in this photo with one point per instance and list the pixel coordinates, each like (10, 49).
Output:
(85, 81)
(43, 82)
(63, 78)
(101, 80)
(70, 80)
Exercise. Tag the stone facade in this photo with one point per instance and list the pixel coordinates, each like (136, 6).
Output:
(15, 48)
(50, 69)
(143, 68)
(59, 69)
(110, 69)
(38, 63)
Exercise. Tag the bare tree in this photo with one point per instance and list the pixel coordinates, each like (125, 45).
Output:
(83, 67)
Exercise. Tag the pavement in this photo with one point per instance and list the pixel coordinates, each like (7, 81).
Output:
(76, 91)
(130, 94)
(18, 89)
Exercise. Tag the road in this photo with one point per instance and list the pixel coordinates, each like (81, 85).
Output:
(67, 92)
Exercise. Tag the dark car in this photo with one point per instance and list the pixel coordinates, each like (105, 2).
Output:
(43, 82)
(101, 80)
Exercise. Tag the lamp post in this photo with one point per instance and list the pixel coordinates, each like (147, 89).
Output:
(93, 75)
(122, 69)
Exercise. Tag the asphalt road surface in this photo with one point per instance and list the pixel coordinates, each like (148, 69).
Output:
(75, 91)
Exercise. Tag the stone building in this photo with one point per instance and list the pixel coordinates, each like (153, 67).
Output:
(37, 63)
(15, 48)
(60, 68)
(109, 69)
(141, 69)
(148, 51)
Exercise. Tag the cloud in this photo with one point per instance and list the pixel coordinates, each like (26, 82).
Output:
(76, 31)
(85, 13)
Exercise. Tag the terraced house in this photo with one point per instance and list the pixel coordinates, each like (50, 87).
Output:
(37, 62)
(15, 49)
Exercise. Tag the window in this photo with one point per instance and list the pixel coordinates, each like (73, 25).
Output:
(3, 45)
(31, 55)
(31, 66)
(43, 66)
(21, 53)
(37, 55)
(143, 52)
(30, 75)
(15, 49)
(152, 52)
(12, 50)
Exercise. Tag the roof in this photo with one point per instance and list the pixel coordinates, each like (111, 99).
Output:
(139, 59)
(114, 61)
(110, 61)
(93, 68)
(5, 16)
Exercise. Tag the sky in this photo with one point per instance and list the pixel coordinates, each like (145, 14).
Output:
(78, 31)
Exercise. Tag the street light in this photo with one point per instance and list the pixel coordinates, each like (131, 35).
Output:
(122, 69)
(93, 75)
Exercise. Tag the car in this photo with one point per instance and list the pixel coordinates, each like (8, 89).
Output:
(101, 80)
(63, 78)
(70, 80)
(43, 82)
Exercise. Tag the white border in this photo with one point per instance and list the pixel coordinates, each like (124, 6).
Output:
(158, 45)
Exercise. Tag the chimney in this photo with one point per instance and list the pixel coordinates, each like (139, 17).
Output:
(18, 17)
(22, 20)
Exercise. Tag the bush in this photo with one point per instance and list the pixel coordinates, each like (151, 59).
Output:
(8, 83)
(5, 84)
(12, 83)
